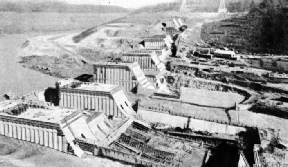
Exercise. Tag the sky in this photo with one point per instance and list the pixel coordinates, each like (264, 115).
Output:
(122, 3)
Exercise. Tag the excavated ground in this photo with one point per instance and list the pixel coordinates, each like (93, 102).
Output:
(60, 55)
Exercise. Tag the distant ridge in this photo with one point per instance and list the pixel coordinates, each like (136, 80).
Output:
(60, 7)
(205, 6)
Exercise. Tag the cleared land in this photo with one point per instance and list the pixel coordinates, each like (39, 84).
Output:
(210, 98)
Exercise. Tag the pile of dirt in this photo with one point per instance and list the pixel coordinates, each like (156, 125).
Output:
(39, 46)
(210, 98)
(62, 66)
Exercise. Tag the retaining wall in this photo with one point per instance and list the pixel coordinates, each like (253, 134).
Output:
(181, 121)
(179, 81)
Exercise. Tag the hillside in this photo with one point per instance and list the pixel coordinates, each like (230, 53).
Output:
(205, 6)
(55, 6)
(262, 30)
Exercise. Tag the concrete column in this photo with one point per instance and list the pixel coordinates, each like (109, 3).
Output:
(61, 100)
(108, 73)
(77, 101)
(64, 144)
(89, 102)
(81, 101)
(60, 144)
(64, 99)
(46, 137)
(14, 131)
(37, 135)
(92, 102)
(95, 98)
(112, 106)
(55, 139)
(1, 128)
(6, 129)
(105, 105)
(41, 136)
(32, 134)
(50, 134)
(23, 132)
(19, 132)
(112, 76)
(10, 129)
(71, 100)
(68, 100)
(28, 132)
(102, 103)
(85, 100)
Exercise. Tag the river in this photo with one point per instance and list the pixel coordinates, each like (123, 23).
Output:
(13, 77)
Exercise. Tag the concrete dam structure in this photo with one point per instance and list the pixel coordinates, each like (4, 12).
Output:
(36, 125)
(109, 99)
(127, 75)
(143, 59)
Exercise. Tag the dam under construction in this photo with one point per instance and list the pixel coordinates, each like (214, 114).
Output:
(153, 106)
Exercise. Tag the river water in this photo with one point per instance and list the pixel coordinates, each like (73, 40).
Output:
(13, 77)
